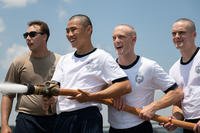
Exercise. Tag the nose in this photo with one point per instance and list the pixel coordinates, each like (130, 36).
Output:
(69, 33)
(116, 40)
(28, 37)
(177, 35)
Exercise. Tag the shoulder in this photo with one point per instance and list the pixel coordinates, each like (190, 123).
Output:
(19, 61)
(151, 65)
(198, 53)
(175, 65)
(147, 61)
(56, 56)
(21, 58)
(65, 57)
(102, 53)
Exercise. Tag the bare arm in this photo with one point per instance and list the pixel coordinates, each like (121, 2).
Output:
(115, 90)
(177, 111)
(172, 97)
(6, 107)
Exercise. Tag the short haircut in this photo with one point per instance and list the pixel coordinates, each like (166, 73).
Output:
(192, 24)
(43, 27)
(85, 20)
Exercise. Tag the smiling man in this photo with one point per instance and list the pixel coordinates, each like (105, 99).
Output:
(146, 76)
(186, 71)
(88, 69)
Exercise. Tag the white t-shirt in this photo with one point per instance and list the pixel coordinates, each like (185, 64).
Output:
(146, 76)
(89, 72)
(187, 75)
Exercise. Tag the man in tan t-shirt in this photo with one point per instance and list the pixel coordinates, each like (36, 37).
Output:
(34, 67)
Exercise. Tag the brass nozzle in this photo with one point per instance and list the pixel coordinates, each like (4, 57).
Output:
(49, 88)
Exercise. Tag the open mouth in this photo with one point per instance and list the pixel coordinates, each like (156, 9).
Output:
(179, 44)
(118, 47)
(72, 40)
(29, 44)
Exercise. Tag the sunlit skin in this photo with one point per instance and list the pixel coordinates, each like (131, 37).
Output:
(184, 39)
(37, 44)
(78, 33)
(79, 36)
(38, 48)
(124, 40)
(183, 36)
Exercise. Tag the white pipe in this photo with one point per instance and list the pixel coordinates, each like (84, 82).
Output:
(6, 88)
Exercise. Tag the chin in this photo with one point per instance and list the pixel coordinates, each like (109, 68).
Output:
(179, 45)
(73, 45)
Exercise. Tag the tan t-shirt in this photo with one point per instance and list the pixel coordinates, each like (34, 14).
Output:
(27, 69)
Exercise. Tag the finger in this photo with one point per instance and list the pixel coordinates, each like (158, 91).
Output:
(114, 104)
(161, 124)
(140, 115)
(52, 100)
(71, 98)
(124, 105)
(83, 92)
(45, 99)
(195, 129)
(198, 128)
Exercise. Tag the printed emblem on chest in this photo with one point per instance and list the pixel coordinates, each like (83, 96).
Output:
(197, 69)
(139, 78)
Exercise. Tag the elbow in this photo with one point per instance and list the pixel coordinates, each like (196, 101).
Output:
(179, 94)
(128, 87)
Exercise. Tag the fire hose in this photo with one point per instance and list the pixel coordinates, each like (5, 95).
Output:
(51, 88)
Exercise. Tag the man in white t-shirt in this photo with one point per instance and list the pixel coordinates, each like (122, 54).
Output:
(186, 72)
(145, 76)
(88, 69)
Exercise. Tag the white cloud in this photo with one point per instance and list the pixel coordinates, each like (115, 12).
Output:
(62, 13)
(11, 53)
(2, 25)
(16, 3)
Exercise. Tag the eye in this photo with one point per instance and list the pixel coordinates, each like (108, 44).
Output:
(173, 33)
(32, 34)
(114, 38)
(72, 29)
(181, 32)
(121, 36)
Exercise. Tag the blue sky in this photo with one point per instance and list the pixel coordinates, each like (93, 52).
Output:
(152, 20)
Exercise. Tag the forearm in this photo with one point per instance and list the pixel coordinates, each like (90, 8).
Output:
(6, 107)
(177, 112)
(115, 90)
(172, 97)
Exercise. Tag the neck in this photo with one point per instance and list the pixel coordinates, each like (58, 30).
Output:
(39, 53)
(86, 49)
(128, 59)
(187, 53)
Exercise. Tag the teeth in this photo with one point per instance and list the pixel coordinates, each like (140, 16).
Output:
(179, 44)
(72, 40)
